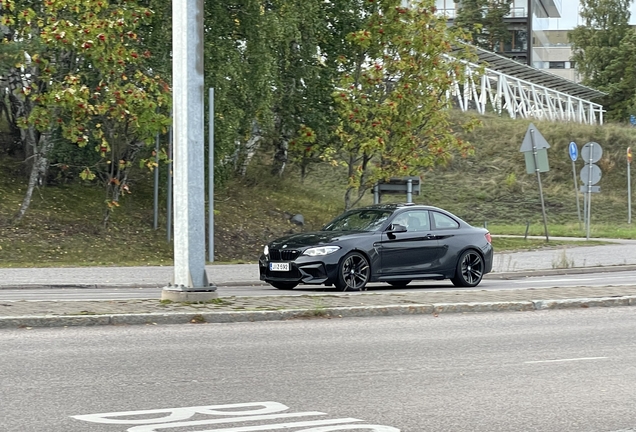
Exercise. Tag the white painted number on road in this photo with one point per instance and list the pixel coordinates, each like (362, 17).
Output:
(173, 418)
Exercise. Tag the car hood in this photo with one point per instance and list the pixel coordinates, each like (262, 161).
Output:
(300, 240)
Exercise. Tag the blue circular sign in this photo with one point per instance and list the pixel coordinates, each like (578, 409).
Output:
(574, 151)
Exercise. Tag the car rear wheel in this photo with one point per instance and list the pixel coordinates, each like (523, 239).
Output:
(470, 269)
(400, 283)
(353, 273)
(284, 285)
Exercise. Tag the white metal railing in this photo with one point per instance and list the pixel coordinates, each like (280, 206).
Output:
(501, 93)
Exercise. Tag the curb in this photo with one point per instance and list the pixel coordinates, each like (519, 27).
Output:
(493, 275)
(326, 313)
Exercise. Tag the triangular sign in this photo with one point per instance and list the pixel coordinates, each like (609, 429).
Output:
(539, 141)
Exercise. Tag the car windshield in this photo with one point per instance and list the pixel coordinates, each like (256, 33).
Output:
(358, 220)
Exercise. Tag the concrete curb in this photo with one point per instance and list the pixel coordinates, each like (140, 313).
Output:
(494, 275)
(328, 313)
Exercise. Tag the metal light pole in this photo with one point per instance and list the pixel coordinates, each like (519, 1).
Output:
(629, 186)
(190, 282)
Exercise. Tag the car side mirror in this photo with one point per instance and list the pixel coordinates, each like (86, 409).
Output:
(396, 228)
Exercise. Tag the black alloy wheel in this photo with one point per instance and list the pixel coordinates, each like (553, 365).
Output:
(470, 269)
(284, 285)
(400, 283)
(354, 272)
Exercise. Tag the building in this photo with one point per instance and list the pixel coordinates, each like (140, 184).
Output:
(546, 49)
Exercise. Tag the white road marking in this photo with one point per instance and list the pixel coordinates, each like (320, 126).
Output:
(568, 279)
(566, 360)
(177, 418)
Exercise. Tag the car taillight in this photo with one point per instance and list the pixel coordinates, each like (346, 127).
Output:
(488, 237)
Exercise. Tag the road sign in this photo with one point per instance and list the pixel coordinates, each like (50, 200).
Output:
(539, 140)
(574, 151)
(592, 172)
(592, 189)
(591, 152)
(629, 155)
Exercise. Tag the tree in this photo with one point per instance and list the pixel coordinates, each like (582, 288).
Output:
(602, 49)
(82, 76)
(483, 20)
(392, 97)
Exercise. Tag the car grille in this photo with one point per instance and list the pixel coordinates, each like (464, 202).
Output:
(283, 255)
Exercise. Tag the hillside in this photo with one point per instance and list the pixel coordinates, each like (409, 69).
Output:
(63, 226)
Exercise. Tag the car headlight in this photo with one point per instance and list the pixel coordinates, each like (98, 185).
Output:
(266, 250)
(320, 251)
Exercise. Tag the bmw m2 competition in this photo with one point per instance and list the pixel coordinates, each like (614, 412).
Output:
(392, 243)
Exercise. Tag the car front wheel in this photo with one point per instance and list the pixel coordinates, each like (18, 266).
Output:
(354, 272)
(470, 269)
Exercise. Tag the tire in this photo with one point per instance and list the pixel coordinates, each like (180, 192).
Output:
(284, 285)
(469, 270)
(353, 273)
(400, 283)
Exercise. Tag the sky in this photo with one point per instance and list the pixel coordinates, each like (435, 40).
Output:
(569, 13)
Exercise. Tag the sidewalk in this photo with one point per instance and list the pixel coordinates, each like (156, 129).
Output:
(620, 255)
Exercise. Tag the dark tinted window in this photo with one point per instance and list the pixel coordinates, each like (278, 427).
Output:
(444, 222)
(359, 220)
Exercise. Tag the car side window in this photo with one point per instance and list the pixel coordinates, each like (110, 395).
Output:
(414, 220)
(444, 222)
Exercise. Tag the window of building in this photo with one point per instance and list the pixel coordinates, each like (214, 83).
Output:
(518, 41)
(557, 65)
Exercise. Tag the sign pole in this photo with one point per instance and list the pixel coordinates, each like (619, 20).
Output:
(629, 186)
(589, 191)
(536, 164)
(574, 154)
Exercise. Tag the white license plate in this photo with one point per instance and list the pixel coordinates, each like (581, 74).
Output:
(279, 266)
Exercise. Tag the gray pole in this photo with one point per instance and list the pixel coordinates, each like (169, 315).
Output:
(155, 218)
(409, 191)
(576, 194)
(536, 167)
(589, 191)
(190, 282)
(629, 189)
(211, 178)
(169, 190)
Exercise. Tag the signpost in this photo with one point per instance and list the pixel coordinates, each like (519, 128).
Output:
(590, 175)
(629, 186)
(535, 149)
(574, 154)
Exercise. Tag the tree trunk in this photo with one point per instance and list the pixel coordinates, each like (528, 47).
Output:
(38, 168)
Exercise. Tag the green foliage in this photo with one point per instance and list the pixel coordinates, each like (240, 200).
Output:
(391, 96)
(88, 80)
(483, 21)
(603, 49)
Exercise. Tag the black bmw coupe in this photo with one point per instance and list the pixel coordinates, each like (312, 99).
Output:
(392, 243)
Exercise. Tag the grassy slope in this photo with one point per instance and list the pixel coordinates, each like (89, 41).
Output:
(63, 226)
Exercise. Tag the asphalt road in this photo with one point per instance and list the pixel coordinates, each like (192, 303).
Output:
(620, 278)
(564, 370)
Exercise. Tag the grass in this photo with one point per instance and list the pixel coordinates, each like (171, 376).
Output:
(489, 188)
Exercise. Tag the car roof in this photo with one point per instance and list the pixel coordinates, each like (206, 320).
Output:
(398, 206)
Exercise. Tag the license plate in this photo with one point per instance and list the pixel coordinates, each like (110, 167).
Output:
(279, 266)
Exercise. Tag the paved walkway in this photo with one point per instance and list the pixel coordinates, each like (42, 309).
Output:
(571, 259)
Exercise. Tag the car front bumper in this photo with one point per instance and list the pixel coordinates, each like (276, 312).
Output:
(304, 269)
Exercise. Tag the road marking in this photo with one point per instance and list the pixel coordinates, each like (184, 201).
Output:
(566, 360)
(539, 279)
(152, 428)
(180, 418)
